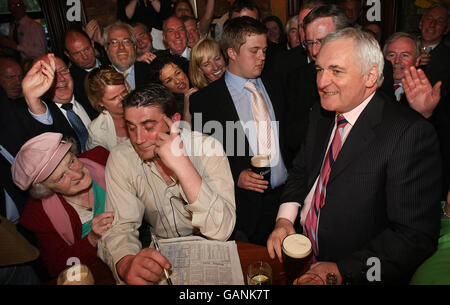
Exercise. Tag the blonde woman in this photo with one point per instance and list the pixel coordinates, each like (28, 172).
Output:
(206, 63)
(105, 88)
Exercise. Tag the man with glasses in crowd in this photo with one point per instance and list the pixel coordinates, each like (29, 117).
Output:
(120, 44)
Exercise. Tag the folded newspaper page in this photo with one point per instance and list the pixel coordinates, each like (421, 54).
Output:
(198, 261)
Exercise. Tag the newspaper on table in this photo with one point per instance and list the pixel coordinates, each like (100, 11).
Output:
(198, 261)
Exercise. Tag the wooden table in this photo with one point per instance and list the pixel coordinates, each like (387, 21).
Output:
(247, 253)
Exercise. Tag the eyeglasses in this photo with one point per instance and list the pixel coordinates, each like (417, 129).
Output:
(63, 71)
(115, 43)
(310, 43)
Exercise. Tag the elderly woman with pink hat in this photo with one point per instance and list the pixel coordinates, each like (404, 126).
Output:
(66, 208)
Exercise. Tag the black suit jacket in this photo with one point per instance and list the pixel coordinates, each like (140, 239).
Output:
(438, 69)
(16, 127)
(78, 76)
(142, 74)
(214, 103)
(382, 197)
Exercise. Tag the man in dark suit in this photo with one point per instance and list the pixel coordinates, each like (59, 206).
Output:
(80, 50)
(57, 106)
(376, 196)
(228, 102)
(120, 44)
(433, 27)
(419, 93)
(17, 126)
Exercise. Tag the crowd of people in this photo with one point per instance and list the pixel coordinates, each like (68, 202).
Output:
(150, 123)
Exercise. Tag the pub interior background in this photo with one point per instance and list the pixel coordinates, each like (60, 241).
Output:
(396, 15)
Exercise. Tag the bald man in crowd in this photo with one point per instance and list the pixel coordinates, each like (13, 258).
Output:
(79, 48)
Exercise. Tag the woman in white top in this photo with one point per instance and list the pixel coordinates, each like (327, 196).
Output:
(105, 88)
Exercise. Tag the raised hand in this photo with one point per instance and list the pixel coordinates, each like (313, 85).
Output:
(421, 96)
(40, 78)
(169, 146)
(147, 57)
(93, 31)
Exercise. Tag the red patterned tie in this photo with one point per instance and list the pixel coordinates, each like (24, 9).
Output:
(318, 201)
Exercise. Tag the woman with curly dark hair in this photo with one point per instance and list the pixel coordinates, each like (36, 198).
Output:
(172, 72)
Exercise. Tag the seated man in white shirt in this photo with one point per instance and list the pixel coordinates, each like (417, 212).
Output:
(179, 181)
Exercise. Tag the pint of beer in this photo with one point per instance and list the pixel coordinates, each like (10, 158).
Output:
(297, 255)
(260, 164)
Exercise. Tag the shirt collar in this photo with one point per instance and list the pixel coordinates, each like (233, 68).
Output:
(353, 115)
(237, 81)
(72, 101)
(130, 70)
(97, 64)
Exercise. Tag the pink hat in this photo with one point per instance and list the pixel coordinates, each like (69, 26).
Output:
(38, 158)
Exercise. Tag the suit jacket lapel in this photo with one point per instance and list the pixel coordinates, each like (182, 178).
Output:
(360, 136)
(325, 125)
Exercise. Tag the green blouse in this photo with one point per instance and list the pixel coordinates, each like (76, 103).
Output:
(99, 207)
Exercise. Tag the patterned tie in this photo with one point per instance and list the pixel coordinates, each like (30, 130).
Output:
(318, 201)
(77, 125)
(263, 122)
(127, 85)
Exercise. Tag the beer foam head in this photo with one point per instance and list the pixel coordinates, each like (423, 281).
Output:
(260, 161)
(297, 245)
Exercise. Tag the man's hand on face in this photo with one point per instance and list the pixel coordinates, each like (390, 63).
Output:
(169, 146)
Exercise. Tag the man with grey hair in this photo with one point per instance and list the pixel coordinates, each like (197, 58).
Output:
(292, 32)
(120, 44)
(301, 89)
(175, 37)
(413, 88)
(403, 51)
(366, 177)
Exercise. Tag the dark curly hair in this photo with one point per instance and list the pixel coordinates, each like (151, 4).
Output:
(152, 95)
(161, 61)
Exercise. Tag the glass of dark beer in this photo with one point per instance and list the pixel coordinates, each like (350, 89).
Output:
(260, 164)
(297, 255)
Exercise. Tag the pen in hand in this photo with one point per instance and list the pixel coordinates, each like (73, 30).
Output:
(166, 273)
